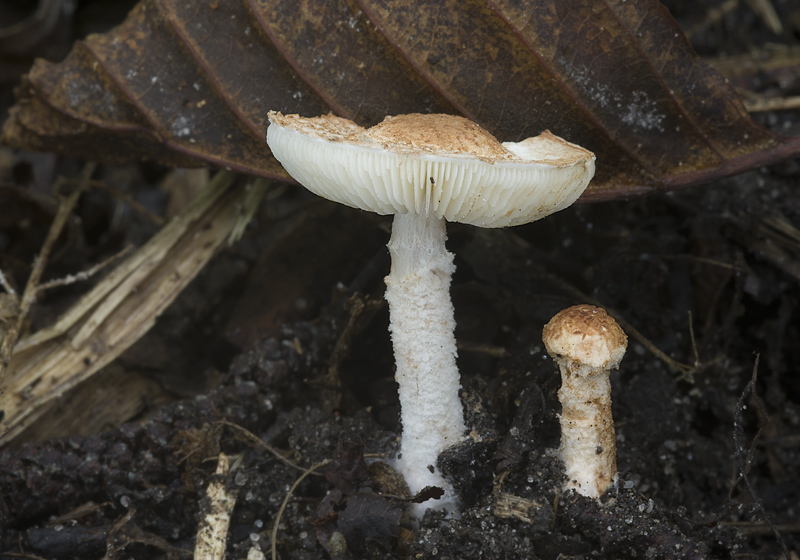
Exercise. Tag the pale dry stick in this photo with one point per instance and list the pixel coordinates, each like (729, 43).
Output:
(768, 59)
(255, 192)
(146, 257)
(43, 371)
(29, 294)
(6, 286)
(239, 212)
(60, 220)
(278, 515)
(757, 103)
(788, 233)
(84, 274)
(766, 11)
(213, 530)
(137, 274)
(506, 506)
(9, 308)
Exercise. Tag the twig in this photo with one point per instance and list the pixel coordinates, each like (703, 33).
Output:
(686, 372)
(137, 274)
(112, 550)
(745, 460)
(332, 381)
(213, 530)
(556, 499)
(256, 191)
(768, 59)
(129, 200)
(303, 476)
(6, 286)
(120, 309)
(138, 265)
(250, 436)
(693, 341)
(766, 11)
(701, 260)
(721, 513)
(84, 274)
(781, 441)
(755, 103)
(751, 528)
(81, 511)
(713, 16)
(29, 295)
(479, 348)
(507, 506)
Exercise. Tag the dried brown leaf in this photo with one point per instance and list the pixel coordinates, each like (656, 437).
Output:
(190, 83)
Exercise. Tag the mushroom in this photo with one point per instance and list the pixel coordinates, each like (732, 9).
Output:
(587, 344)
(425, 169)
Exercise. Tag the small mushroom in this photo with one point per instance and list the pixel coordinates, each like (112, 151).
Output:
(587, 344)
(426, 169)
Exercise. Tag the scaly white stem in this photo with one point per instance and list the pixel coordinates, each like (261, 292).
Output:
(588, 443)
(422, 325)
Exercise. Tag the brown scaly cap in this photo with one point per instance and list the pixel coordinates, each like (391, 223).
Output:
(584, 335)
(325, 127)
(438, 134)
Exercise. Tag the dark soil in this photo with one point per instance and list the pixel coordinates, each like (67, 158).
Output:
(291, 345)
(680, 492)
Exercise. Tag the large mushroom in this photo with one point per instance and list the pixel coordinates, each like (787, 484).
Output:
(426, 169)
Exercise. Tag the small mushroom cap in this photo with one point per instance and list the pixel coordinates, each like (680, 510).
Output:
(440, 164)
(585, 337)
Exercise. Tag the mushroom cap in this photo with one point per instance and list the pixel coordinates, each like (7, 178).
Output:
(585, 337)
(440, 164)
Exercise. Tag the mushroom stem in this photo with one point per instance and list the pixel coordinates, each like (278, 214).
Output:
(588, 443)
(422, 325)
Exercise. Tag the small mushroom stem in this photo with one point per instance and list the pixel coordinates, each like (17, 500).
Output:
(588, 443)
(422, 325)
(587, 344)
